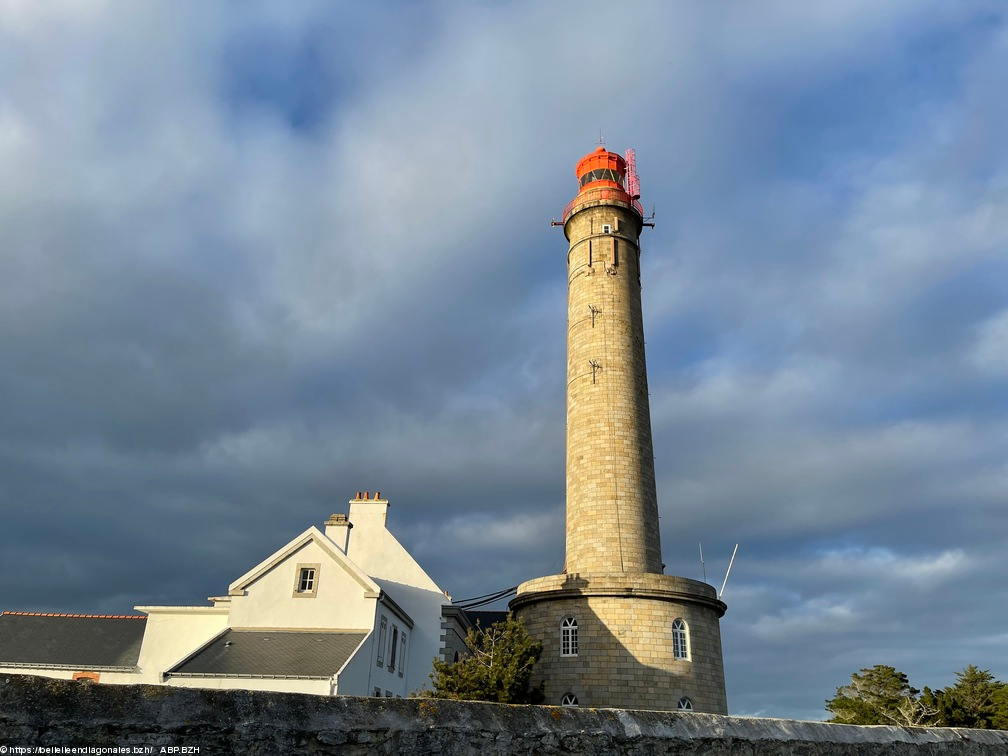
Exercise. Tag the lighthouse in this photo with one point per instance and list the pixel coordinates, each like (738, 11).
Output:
(616, 631)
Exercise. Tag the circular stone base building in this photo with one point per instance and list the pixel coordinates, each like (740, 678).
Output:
(641, 641)
(616, 632)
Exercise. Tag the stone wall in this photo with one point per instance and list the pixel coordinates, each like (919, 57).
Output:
(625, 657)
(37, 711)
(612, 506)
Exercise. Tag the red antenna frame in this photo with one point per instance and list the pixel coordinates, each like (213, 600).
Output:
(632, 179)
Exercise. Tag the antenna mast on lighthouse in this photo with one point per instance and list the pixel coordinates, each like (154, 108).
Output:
(632, 179)
(633, 186)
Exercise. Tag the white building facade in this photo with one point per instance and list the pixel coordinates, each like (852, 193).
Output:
(343, 611)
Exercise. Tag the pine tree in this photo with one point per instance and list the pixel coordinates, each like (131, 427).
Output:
(499, 668)
(999, 718)
(971, 701)
(879, 696)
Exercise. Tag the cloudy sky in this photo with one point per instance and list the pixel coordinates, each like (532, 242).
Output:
(255, 257)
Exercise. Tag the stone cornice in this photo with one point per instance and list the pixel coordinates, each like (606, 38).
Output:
(642, 585)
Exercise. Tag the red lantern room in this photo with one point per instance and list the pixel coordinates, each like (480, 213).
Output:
(605, 176)
(601, 168)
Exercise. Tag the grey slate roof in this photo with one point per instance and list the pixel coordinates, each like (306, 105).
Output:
(273, 653)
(84, 641)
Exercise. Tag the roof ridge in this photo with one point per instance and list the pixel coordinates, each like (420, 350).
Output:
(77, 616)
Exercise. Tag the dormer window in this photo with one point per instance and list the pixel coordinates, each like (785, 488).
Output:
(306, 580)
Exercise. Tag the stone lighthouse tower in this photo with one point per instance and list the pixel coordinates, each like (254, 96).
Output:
(616, 632)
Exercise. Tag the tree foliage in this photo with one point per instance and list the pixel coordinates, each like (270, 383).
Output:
(879, 696)
(882, 695)
(999, 720)
(976, 700)
(499, 668)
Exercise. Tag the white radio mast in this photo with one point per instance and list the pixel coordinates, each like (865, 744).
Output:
(729, 571)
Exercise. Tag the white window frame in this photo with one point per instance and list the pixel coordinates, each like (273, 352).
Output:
(402, 653)
(680, 640)
(568, 637)
(383, 629)
(569, 700)
(606, 228)
(393, 648)
(685, 704)
(306, 580)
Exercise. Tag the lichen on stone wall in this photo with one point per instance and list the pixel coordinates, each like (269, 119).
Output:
(39, 711)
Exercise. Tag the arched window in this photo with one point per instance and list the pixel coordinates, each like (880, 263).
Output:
(685, 704)
(680, 640)
(569, 700)
(568, 637)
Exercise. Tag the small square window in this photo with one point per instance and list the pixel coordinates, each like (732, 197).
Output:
(306, 579)
(306, 584)
(606, 228)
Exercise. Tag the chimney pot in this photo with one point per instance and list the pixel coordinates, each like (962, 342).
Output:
(377, 495)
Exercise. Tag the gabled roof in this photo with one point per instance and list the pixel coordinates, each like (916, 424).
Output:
(316, 654)
(313, 534)
(81, 641)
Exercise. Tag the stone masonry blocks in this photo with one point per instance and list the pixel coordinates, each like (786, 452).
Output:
(612, 583)
(625, 652)
(612, 507)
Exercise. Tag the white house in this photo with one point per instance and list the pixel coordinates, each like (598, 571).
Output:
(344, 611)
